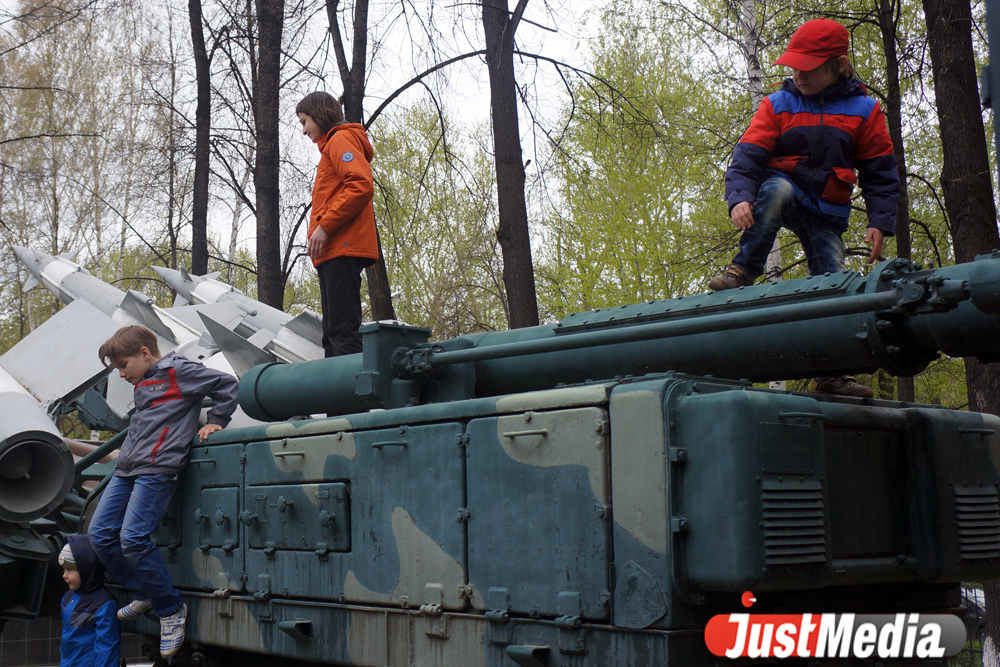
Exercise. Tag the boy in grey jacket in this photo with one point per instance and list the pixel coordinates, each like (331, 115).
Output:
(168, 395)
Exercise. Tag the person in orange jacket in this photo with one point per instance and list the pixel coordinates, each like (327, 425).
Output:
(342, 237)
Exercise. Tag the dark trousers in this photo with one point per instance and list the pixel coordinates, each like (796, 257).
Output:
(340, 293)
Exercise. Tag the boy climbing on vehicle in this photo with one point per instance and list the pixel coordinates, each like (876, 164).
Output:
(168, 396)
(796, 166)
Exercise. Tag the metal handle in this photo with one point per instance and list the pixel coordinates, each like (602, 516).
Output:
(284, 504)
(212, 461)
(221, 517)
(538, 431)
(246, 518)
(392, 443)
(283, 454)
(802, 415)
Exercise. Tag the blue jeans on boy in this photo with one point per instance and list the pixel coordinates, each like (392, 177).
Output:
(121, 530)
(777, 207)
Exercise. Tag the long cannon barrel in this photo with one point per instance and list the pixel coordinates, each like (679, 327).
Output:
(899, 319)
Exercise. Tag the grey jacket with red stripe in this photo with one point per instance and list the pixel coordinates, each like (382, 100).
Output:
(167, 405)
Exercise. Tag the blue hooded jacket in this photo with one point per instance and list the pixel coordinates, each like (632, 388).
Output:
(91, 635)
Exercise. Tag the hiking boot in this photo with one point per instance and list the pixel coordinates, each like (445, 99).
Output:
(134, 609)
(735, 276)
(845, 385)
(172, 632)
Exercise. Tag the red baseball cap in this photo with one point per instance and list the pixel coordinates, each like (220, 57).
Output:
(814, 43)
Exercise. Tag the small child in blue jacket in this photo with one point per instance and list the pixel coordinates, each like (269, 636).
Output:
(90, 633)
(169, 391)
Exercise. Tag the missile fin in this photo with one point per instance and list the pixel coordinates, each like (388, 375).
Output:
(212, 276)
(71, 255)
(185, 275)
(241, 354)
(31, 283)
(56, 365)
(137, 305)
(180, 301)
(308, 325)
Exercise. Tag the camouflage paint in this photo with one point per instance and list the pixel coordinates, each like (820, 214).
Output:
(427, 574)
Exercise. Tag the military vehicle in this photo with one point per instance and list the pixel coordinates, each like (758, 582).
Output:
(585, 493)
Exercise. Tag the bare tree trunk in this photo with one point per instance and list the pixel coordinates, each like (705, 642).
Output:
(234, 233)
(172, 158)
(202, 123)
(499, 26)
(270, 19)
(353, 80)
(888, 10)
(968, 198)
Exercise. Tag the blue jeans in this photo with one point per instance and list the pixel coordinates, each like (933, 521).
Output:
(778, 207)
(129, 512)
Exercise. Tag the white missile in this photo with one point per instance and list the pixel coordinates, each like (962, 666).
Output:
(180, 330)
(285, 338)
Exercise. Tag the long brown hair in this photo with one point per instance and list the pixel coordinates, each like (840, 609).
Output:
(323, 108)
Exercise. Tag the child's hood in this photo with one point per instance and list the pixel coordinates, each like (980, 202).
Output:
(91, 569)
(357, 135)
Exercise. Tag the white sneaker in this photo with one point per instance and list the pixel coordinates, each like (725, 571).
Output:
(134, 609)
(172, 632)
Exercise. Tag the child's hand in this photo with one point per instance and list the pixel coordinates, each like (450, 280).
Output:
(875, 237)
(743, 215)
(207, 429)
(317, 241)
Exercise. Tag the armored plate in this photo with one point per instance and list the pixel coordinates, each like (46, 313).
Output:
(203, 516)
(372, 516)
(539, 521)
(298, 516)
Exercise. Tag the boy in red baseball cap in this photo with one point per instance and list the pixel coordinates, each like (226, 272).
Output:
(796, 166)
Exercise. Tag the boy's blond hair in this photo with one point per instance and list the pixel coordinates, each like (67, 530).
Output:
(127, 342)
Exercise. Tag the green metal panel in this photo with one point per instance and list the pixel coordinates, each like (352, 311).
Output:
(790, 492)
(205, 554)
(392, 497)
(309, 517)
(217, 517)
(539, 512)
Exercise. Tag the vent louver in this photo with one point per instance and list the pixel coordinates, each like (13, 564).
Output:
(794, 524)
(977, 522)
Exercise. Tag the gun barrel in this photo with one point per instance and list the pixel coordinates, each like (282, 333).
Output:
(898, 319)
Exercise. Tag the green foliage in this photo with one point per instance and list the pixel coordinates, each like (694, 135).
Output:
(640, 214)
(436, 214)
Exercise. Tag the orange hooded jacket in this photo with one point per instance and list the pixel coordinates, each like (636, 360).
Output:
(342, 194)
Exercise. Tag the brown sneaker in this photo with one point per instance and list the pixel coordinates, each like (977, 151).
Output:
(845, 385)
(735, 276)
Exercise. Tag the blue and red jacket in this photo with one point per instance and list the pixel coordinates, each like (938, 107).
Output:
(818, 142)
